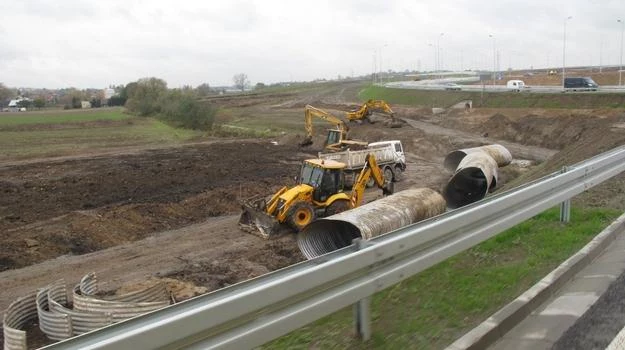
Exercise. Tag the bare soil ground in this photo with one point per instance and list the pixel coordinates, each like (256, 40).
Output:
(172, 212)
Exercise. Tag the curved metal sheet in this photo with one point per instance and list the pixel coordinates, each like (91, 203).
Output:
(119, 310)
(56, 326)
(82, 322)
(475, 176)
(157, 292)
(499, 153)
(370, 220)
(19, 312)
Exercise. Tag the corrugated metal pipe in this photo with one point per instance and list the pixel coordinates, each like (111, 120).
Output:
(475, 176)
(370, 220)
(499, 153)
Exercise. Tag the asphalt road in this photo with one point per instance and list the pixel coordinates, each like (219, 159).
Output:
(600, 324)
(440, 85)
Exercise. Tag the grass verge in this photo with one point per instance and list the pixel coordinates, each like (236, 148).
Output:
(423, 98)
(435, 307)
(61, 116)
(15, 145)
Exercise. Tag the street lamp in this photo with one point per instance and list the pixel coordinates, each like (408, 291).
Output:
(434, 61)
(438, 51)
(381, 69)
(494, 58)
(620, 70)
(564, 51)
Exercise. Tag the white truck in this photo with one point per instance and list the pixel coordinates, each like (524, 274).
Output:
(388, 154)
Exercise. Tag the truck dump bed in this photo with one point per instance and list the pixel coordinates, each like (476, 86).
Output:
(356, 159)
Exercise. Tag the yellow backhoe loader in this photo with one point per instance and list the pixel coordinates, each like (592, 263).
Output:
(318, 193)
(337, 139)
(366, 111)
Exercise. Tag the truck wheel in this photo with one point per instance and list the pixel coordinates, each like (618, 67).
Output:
(338, 206)
(388, 175)
(398, 174)
(299, 215)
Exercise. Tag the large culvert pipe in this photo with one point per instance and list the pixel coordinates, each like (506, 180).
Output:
(499, 153)
(475, 176)
(370, 220)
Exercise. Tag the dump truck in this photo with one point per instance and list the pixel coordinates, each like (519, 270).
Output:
(319, 192)
(389, 156)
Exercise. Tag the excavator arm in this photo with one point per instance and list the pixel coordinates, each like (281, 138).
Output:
(370, 169)
(310, 112)
(367, 108)
(333, 143)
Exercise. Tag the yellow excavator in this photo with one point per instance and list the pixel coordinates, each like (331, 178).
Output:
(318, 193)
(367, 109)
(337, 139)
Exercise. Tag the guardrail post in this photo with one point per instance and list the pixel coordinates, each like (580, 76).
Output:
(565, 207)
(362, 308)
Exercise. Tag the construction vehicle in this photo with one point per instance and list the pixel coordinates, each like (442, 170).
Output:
(337, 139)
(318, 193)
(389, 156)
(366, 113)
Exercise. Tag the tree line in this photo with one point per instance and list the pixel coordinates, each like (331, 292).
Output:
(180, 107)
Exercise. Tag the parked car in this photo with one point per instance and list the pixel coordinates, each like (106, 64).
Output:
(452, 87)
(580, 83)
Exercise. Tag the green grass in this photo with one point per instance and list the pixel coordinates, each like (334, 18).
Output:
(435, 307)
(66, 141)
(61, 116)
(423, 98)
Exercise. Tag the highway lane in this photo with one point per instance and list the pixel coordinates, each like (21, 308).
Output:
(439, 84)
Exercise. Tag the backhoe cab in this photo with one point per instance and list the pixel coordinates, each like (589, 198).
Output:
(319, 192)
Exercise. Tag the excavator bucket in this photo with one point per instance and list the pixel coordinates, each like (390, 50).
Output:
(256, 221)
(307, 141)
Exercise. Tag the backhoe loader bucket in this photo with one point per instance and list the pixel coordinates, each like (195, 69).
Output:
(256, 221)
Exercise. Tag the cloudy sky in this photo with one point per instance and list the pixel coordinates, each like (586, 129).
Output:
(63, 43)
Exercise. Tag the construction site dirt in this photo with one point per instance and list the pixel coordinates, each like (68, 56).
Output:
(172, 212)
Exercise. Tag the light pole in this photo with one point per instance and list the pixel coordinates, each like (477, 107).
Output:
(620, 69)
(494, 58)
(438, 51)
(564, 51)
(434, 61)
(381, 69)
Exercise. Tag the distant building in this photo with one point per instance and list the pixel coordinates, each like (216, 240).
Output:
(108, 93)
(85, 104)
(14, 105)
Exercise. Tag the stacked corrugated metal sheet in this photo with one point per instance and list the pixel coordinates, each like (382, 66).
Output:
(59, 319)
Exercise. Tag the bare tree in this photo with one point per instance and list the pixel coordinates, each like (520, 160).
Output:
(240, 81)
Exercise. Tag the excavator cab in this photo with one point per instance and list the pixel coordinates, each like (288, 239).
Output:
(334, 137)
(326, 178)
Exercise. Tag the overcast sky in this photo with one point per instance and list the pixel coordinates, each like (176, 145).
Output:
(63, 43)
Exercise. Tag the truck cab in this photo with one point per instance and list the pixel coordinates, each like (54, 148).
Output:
(397, 146)
(515, 85)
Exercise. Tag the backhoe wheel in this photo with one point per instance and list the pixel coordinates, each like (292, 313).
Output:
(338, 206)
(398, 173)
(388, 175)
(299, 215)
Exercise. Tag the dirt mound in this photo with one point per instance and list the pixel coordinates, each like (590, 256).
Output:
(79, 206)
(240, 264)
(590, 142)
(549, 131)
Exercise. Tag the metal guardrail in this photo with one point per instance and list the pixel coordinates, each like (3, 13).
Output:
(251, 313)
